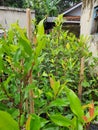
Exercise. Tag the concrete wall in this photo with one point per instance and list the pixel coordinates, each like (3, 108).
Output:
(88, 25)
(11, 15)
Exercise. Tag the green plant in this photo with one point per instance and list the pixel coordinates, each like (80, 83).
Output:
(7, 122)
(81, 119)
(62, 57)
(52, 61)
(17, 62)
(81, 115)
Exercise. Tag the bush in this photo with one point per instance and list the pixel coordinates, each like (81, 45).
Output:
(43, 72)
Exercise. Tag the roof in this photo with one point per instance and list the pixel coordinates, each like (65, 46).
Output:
(72, 8)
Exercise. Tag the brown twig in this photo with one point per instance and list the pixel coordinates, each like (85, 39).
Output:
(29, 35)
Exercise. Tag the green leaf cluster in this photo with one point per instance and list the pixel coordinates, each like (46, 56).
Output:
(53, 60)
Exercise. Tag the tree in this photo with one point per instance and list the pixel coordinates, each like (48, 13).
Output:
(49, 7)
(12, 3)
(43, 7)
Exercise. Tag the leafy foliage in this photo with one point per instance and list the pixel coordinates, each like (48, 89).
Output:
(15, 3)
(17, 58)
(7, 122)
(54, 62)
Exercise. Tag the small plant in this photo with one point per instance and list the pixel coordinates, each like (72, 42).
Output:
(17, 62)
(81, 116)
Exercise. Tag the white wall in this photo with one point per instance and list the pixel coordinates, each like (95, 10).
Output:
(11, 15)
(87, 25)
(75, 12)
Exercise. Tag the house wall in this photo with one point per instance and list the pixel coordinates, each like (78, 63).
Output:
(76, 12)
(11, 15)
(88, 26)
(72, 28)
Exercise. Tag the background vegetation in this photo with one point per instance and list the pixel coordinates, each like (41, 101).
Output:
(41, 7)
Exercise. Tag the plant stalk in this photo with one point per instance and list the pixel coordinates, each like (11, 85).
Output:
(29, 35)
(81, 78)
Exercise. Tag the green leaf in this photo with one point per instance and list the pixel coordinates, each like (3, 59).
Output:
(59, 20)
(60, 120)
(22, 39)
(1, 64)
(50, 126)
(27, 48)
(41, 27)
(68, 46)
(1, 59)
(6, 82)
(76, 124)
(41, 39)
(7, 122)
(43, 122)
(85, 83)
(55, 85)
(28, 64)
(17, 55)
(3, 97)
(75, 103)
(41, 43)
(80, 126)
(59, 102)
(96, 112)
(44, 74)
(33, 123)
(3, 106)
